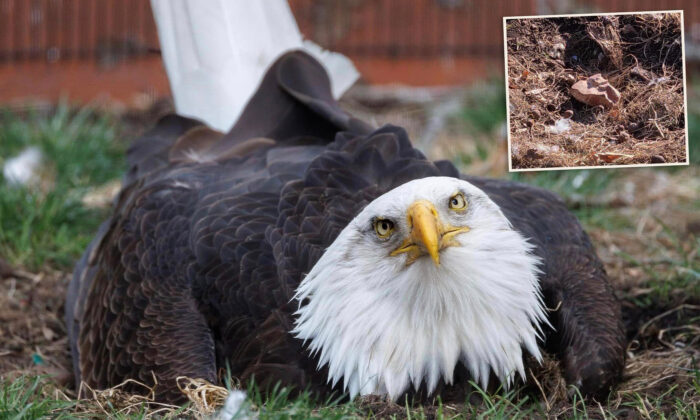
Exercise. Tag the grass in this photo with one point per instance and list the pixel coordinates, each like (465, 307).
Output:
(50, 229)
(23, 398)
(81, 151)
(484, 106)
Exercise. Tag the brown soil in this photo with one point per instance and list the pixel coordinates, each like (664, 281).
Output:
(640, 55)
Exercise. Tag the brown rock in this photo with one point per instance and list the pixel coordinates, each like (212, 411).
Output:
(595, 91)
(658, 159)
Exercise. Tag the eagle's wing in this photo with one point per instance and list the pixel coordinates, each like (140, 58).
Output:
(134, 285)
(588, 335)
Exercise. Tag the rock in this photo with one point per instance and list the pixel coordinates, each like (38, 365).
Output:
(658, 159)
(595, 91)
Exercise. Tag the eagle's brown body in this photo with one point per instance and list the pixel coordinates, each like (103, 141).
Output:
(197, 268)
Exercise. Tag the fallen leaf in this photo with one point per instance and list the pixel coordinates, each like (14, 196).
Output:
(610, 157)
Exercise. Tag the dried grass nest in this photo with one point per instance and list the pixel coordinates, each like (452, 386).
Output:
(640, 55)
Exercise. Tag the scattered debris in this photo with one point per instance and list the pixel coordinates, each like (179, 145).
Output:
(569, 78)
(535, 92)
(561, 126)
(102, 197)
(237, 407)
(557, 50)
(595, 91)
(207, 397)
(611, 157)
(25, 169)
(658, 80)
(605, 32)
(643, 74)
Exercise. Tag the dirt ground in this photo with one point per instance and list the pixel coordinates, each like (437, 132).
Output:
(640, 55)
(662, 326)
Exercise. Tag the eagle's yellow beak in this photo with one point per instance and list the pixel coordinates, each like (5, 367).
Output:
(428, 234)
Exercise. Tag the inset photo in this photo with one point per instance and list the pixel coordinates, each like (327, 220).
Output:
(596, 90)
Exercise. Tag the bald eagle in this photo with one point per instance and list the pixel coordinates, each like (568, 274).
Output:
(306, 247)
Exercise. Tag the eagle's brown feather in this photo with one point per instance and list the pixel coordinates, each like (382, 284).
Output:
(196, 270)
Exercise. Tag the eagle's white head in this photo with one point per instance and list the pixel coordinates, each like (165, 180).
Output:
(429, 274)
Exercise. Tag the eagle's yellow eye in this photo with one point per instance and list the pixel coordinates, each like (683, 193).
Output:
(457, 202)
(383, 227)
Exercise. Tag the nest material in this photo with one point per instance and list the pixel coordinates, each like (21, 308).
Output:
(640, 55)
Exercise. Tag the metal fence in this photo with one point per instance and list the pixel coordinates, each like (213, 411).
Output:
(113, 30)
(55, 30)
(106, 29)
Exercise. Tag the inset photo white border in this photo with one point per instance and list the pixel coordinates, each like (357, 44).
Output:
(622, 129)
